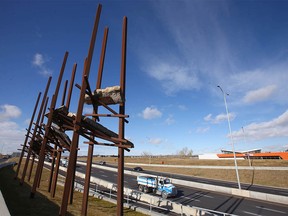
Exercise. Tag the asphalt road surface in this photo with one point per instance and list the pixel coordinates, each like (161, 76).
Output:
(203, 198)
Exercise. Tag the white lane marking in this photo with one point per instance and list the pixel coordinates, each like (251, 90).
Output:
(273, 210)
(188, 198)
(251, 213)
(104, 176)
(204, 195)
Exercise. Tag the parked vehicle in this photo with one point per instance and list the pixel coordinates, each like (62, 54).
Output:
(158, 185)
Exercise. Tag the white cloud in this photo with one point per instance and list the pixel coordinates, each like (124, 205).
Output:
(182, 107)
(260, 84)
(173, 77)
(151, 113)
(38, 60)
(202, 129)
(9, 111)
(45, 72)
(170, 120)
(277, 127)
(208, 117)
(259, 94)
(219, 118)
(155, 141)
(11, 136)
(190, 55)
(40, 63)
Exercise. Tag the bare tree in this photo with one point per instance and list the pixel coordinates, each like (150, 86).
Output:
(146, 154)
(185, 152)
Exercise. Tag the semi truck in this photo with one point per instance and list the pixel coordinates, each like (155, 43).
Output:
(158, 185)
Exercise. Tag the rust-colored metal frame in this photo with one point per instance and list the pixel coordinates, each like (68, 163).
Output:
(78, 126)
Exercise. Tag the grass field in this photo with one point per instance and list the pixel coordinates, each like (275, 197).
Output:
(19, 203)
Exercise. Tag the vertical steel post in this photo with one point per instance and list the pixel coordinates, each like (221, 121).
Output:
(75, 138)
(71, 86)
(47, 129)
(27, 135)
(64, 92)
(120, 180)
(35, 130)
(91, 146)
(55, 174)
(31, 167)
(41, 123)
(52, 167)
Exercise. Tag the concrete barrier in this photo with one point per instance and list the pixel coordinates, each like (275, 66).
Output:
(209, 167)
(3, 207)
(143, 197)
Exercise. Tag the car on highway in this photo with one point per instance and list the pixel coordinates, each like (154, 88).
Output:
(102, 163)
(138, 169)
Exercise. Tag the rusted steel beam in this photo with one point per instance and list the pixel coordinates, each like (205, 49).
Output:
(47, 129)
(27, 135)
(31, 167)
(71, 86)
(64, 92)
(61, 75)
(35, 131)
(75, 138)
(52, 167)
(120, 180)
(40, 130)
(59, 152)
(108, 115)
(102, 58)
(43, 115)
(95, 110)
(110, 109)
(55, 176)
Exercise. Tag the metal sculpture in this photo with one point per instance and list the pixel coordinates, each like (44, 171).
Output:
(60, 120)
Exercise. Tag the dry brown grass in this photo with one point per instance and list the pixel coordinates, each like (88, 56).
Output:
(191, 161)
(19, 203)
(273, 178)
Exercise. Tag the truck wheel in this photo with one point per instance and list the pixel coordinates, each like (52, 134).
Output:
(146, 189)
(140, 188)
(164, 195)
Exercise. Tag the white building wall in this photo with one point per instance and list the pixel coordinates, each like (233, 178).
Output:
(208, 156)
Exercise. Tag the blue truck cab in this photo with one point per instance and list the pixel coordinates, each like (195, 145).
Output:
(158, 185)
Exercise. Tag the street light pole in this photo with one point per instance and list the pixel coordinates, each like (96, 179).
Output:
(235, 161)
(248, 154)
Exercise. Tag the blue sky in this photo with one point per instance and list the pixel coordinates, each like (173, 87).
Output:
(178, 52)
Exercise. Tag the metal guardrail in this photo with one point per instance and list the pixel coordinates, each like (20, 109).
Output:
(149, 207)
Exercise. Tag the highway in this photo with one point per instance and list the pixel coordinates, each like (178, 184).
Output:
(203, 198)
(251, 187)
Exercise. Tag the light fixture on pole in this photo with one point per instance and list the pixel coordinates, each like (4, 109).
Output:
(231, 137)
